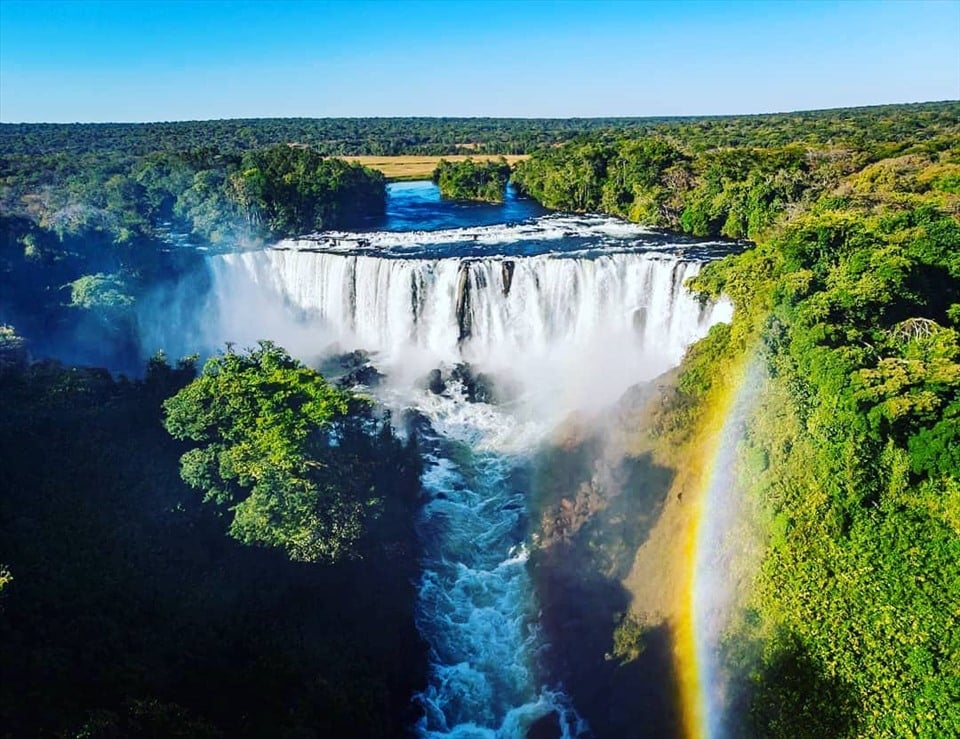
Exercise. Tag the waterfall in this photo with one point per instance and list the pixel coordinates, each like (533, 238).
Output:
(493, 311)
(571, 310)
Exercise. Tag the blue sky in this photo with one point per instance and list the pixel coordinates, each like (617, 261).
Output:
(134, 60)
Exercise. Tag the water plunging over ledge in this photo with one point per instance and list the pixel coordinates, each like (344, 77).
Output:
(562, 312)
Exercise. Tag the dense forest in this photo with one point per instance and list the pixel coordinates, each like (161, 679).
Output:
(470, 180)
(438, 136)
(129, 606)
(82, 237)
(707, 184)
(852, 300)
(130, 612)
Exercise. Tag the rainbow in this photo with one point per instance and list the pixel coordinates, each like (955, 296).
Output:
(705, 592)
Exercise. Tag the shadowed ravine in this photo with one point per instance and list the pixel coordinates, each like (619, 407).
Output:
(597, 504)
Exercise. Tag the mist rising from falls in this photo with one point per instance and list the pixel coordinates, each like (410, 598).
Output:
(557, 324)
(565, 311)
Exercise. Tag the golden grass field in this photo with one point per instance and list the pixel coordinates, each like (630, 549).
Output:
(416, 167)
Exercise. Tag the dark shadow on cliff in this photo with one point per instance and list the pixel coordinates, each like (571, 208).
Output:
(780, 691)
(596, 507)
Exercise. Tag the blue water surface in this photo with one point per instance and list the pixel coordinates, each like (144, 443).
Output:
(417, 206)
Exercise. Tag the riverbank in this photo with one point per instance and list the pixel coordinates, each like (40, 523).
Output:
(622, 523)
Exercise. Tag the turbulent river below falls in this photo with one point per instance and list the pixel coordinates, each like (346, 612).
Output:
(556, 313)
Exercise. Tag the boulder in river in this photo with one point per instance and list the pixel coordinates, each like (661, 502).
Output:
(434, 382)
(545, 727)
(477, 387)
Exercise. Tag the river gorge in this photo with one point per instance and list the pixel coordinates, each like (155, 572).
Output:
(485, 327)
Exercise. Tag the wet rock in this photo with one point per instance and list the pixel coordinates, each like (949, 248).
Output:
(413, 422)
(477, 387)
(434, 382)
(506, 275)
(640, 320)
(464, 321)
(545, 727)
(367, 375)
(354, 360)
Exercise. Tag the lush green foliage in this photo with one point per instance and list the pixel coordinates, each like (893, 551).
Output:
(293, 189)
(290, 455)
(470, 180)
(130, 613)
(388, 136)
(854, 451)
(102, 228)
(737, 193)
(628, 642)
(123, 200)
(697, 181)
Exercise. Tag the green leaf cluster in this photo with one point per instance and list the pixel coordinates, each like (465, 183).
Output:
(470, 180)
(100, 291)
(282, 450)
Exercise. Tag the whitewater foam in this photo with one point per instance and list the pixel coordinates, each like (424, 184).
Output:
(556, 233)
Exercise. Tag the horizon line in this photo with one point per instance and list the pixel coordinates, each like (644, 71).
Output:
(697, 116)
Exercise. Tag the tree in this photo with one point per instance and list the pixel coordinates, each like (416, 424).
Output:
(290, 455)
(470, 180)
(293, 189)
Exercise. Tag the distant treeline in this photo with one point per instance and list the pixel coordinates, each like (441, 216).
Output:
(438, 136)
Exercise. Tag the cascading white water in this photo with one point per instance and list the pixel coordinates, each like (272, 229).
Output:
(479, 309)
(625, 315)
(570, 310)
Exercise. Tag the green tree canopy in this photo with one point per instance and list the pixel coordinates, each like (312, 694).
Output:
(278, 445)
(471, 180)
(294, 189)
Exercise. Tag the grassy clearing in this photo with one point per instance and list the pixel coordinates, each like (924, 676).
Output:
(414, 167)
